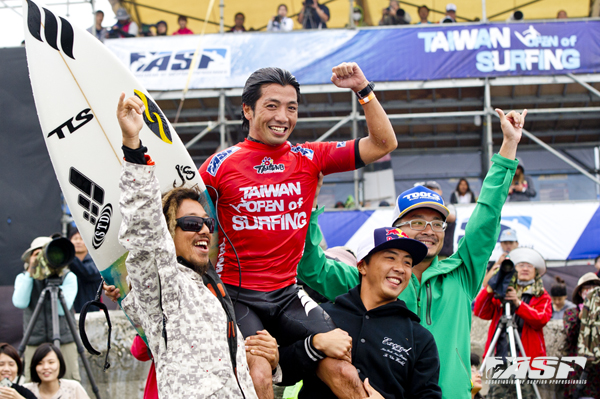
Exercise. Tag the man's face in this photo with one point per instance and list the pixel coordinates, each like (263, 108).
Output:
(433, 239)
(275, 114)
(394, 5)
(182, 23)
(451, 14)
(386, 276)
(78, 243)
(508, 246)
(99, 18)
(525, 271)
(282, 11)
(191, 245)
(423, 13)
(239, 21)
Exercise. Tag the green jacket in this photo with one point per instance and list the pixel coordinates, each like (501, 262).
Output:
(443, 297)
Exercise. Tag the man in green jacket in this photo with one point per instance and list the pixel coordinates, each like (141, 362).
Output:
(440, 291)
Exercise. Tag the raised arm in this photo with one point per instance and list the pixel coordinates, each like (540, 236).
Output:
(381, 139)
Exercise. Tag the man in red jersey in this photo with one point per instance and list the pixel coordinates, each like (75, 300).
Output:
(264, 189)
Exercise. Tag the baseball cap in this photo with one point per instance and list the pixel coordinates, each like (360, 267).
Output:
(391, 237)
(38, 242)
(530, 256)
(122, 14)
(418, 197)
(508, 235)
(450, 7)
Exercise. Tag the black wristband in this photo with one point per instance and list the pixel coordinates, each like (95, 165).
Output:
(366, 91)
(135, 156)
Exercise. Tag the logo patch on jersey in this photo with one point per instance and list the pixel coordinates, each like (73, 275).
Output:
(218, 159)
(267, 166)
(307, 152)
(340, 144)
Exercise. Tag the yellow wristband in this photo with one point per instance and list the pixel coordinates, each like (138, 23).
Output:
(366, 99)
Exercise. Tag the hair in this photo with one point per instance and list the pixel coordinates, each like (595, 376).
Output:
(182, 17)
(171, 201)
(240, 13)
(99, 12)
(596, 259)
(41, 353)
(264, 76)
(423, 6)
(559, 288)
(281, 5)
(462, 179)
(475, 360)
(71, 231)
(11, 352)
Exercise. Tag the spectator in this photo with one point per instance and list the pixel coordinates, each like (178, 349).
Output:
(531, 310)
(423, 15)
(161, 28)
(476, 377)
(189, 327)
(280, 22)
(183, 29)
(597, 265)
(140, 351)
(562, 14)
(558, 293)
(377, 321)
(124, 27)
(508, 242)
(450, 14)
(88, 277)
(339, 205)
(448, 248)
(358, 16)
(393, 15)
(522, 188)
(313, 15)
(97, 29)
(572, 324)
(28, 287)
(441, 291)
(462, 194)
(47, 369)
(11, 369)
(239, 23)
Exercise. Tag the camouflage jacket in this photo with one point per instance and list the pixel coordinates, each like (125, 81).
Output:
(185, 325)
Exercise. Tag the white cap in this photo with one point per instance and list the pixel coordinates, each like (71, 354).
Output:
(528, 255)
(451, 7)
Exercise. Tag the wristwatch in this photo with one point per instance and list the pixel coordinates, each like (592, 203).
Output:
(366, 91)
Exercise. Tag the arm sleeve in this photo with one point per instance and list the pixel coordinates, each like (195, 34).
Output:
(485, 305)
(453, 199)
(209, 179)
(334, 157)
(85, 270)
(571, 324)
(530, 192)
(426, 374)
(23, 288)
(538, 315)
(483, 227)
(269, 25)
(69, 289)
(287, 25)
(328, 277)
(139, 350)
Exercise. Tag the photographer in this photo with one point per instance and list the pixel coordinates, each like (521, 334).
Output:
(280, 22)
(521, 274)
(28, 287)
(313, 15)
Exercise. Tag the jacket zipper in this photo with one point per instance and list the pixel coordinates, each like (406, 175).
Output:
(428, 310)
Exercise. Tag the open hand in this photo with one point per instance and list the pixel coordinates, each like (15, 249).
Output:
(348, 75)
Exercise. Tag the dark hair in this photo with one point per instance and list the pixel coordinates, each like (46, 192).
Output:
(171, 201)
(239, 13)
(39, 354)
(99, 12)
(11, 352)
(423, 6)
(281, 5)
(475, 360)
(596, 259)
(462, 179)
(180, 18)
(559, 288)
(264, 76)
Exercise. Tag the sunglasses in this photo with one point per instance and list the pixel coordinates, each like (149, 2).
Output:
(195, 223)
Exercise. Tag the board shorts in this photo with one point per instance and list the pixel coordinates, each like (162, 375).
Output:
(288, 314)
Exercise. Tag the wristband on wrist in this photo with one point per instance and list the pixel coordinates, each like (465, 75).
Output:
(365, 95)
(369, 97)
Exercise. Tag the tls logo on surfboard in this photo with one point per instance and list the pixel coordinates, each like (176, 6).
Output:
(34, 24)
(154, 118)
(84, 116)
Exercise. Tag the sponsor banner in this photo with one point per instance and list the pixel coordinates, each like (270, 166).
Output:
(559, 231)
(421, 53)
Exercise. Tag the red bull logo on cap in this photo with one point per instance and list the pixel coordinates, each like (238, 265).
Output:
(393, 234)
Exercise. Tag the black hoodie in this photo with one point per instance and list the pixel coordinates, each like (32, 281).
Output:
(389, 346)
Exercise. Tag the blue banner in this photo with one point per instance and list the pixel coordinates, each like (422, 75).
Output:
(430, 52)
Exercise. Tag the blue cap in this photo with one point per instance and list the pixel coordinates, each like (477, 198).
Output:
(418, 197)
(391, 237)
(508, 235)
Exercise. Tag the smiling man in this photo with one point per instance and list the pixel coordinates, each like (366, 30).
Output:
(264, 189)
(397, 355)
(440, 291)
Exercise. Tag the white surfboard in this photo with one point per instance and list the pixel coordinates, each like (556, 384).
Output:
(76, 85)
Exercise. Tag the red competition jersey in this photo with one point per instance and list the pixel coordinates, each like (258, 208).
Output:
(265, 199)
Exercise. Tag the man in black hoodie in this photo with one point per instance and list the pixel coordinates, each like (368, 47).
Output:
(389, 346)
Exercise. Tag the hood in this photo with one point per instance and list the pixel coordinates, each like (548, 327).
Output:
(353, 304)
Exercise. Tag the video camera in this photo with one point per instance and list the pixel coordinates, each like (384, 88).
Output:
(53, 258)
(500, 281)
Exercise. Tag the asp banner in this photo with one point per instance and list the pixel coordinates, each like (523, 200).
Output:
(559, 231)
(423, 52)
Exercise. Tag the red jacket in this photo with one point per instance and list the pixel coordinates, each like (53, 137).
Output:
(140, 351)
(536, 314)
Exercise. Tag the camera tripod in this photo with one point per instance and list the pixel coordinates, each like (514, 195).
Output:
(53, 288)
(507, 323)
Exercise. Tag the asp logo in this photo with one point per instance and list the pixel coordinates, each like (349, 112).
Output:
(83, 117)
(34, 24)
(537, 368)
(268, 166)
(213, 61)
(217, 161)
(154, 118)
(91, 199)
(307, 152)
